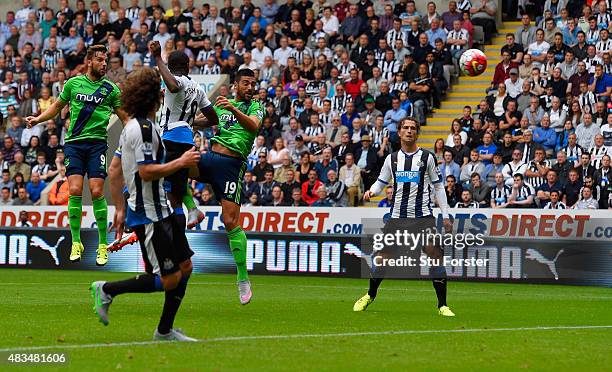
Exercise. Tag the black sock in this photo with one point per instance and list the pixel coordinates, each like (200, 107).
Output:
(374, 284)
(439, 285)
(144, 283)
(171, 306)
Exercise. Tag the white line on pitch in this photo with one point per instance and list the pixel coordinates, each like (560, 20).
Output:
(312, 335)
(331, 287)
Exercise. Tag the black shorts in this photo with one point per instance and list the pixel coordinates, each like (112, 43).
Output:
(176, 183)
(86, 157)
(224, 173)
(164, 245)
(421, 226)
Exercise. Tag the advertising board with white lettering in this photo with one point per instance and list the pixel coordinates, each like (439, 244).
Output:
(530, 261)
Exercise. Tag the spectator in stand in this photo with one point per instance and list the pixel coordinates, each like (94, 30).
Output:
(350, 175)
(586, 131)
(480, 191)
(545, 136)
(35, 187)
(474, 166)
(262, 167)
(522, 195)
(325, 164)
(5, 196)
(249, 186)
(543, 191)
(276, 199)
(449, 166)
(500, 192)
(22, 197)
(387, 202)
(20, 167)
(587, 201)
(296, 198)
(453, 191)
(285, 172)
(502, 70)
(310, 187)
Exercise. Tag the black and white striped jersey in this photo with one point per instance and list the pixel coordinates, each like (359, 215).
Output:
(389, 68)
(535, 182)
(338, 103)
(131, 13)
(140, 144)
(592, 36)
(557, 205)
(587, 102)
(314, 130)
(393, 35)
(573, 153)
(471, 204)
(464, 5)
(597, 154)
(40, 169)
(314, 87)
(180, 108)
(345, 70)
(378, 136)
(603, 46)
(414, 175)
(524, 192)
(399, 86)
(207, 70)
(326, 119)
(458, 35)
(501, 195)
(603, 20)
(591, 62)
(299, 54)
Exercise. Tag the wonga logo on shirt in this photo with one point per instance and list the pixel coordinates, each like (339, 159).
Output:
(407, 176)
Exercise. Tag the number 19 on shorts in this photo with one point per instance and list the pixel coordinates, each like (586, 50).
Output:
(230, 188)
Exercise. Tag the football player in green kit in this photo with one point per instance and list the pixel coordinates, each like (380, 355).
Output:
(224, 166)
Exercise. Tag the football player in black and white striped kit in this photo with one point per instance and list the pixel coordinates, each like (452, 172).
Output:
(537, 169)
(165, 250)
(417, 180)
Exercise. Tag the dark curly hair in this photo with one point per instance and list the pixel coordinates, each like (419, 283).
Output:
(141, 93)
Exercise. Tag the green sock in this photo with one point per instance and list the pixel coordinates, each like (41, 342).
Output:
(100, 209)
(238, 242)
(188, 199)
(75, 210)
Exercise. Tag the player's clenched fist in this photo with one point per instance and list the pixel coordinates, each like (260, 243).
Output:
(155, 49)
(224, 103)
(31, 121)
(190, 158)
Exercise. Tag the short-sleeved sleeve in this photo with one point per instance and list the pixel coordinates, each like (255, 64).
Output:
(116, 98)
(141, 141)
(66, 91)
(256, 109)
(203, 101)
(432, 170)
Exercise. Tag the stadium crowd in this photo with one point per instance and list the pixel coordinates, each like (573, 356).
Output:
(336, 79)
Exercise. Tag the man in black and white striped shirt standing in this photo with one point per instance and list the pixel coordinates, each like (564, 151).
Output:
(165, 249)
(417, 179)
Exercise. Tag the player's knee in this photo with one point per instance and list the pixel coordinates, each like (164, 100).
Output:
(230, 221)
(75, 189)
(186, 268)
(171, 281)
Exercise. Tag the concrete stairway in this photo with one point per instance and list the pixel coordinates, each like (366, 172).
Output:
(468, 91)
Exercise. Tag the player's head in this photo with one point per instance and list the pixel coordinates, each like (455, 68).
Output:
(141, 95)
(96, 61)
(245, 84)
(409, 130)
(178, 63)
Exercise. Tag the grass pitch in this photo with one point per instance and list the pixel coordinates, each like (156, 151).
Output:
(303, 323)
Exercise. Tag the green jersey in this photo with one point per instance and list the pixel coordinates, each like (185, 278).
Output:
(91, 105)
(233, 135)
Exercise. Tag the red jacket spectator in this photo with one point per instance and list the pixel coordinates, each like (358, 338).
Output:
(352, 87)
(502, 72)
(310, 188)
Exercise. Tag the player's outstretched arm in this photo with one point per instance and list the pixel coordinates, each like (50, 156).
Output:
(169, 79)
(49, 113)
(150, 172)
(248, 122)
(117, 183)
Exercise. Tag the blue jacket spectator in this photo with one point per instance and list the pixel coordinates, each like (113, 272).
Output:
(35, 187)
(545, 135)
